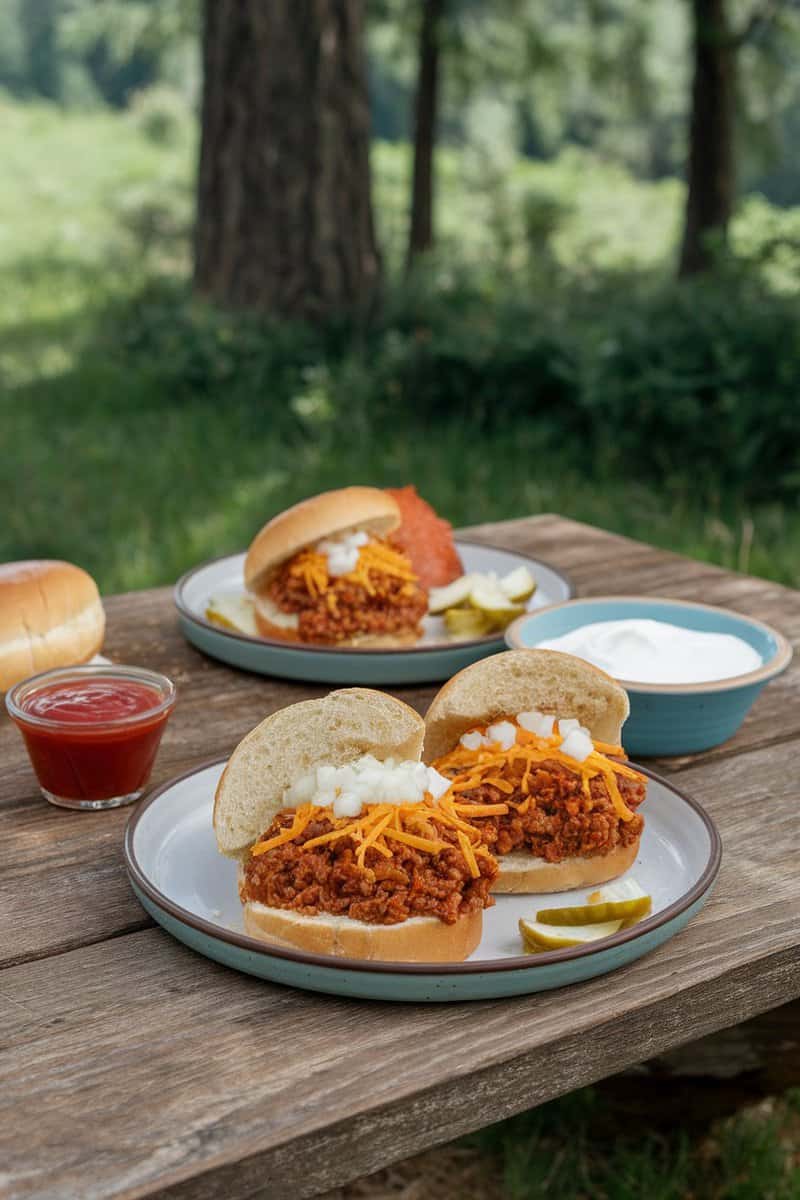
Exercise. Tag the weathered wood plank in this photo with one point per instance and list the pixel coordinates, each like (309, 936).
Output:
(88, 897)
(193, 1081)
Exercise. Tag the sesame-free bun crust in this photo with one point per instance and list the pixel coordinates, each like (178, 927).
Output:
(345, 510)
(50, 616)
(334, 730)
(524, 873)
(418, 939)
(517, 681)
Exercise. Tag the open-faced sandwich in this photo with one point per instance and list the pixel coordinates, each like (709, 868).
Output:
(345, 843)
(530, 742)
(325, 572)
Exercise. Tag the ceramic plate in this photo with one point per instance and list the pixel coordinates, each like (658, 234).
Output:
(184, 883)
(435, 657)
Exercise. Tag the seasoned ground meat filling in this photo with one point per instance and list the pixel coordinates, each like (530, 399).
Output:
(347, 609)
(384, 891)
(562, 822)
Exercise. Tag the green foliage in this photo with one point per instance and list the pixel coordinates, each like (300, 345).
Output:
(575, 1148)
(162, 114)
(519, 371)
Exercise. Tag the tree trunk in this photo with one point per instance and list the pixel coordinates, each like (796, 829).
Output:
(38, 22)
(711, 181)
(284, 212)
(420, 236)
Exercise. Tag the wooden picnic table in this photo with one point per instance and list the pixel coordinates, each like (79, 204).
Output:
(132, 1067)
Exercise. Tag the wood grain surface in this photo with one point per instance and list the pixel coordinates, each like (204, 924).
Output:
(131, 1067)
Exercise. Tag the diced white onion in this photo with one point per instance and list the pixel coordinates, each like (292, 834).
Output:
(577, 745)
(437, 784)
(536, 722)
(348, 804)
(342, 552)
(472, 740)
(567, 724)
(503, 733)
(346, 789)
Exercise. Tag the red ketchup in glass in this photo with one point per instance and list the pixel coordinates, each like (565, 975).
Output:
(92, 733)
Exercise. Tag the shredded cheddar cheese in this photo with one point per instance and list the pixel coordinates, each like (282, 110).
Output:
(379, 823)
(312, 567)
(468, 769)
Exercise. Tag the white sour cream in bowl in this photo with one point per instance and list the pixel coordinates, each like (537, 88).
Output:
(649, 651)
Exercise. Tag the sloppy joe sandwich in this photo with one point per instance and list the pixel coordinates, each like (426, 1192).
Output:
(346, 844)
(325, 572)
(529, 741)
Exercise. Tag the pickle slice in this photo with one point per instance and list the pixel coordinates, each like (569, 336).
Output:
(488, 598)
(624, 901)
(519, 584)
(450, 596)
(537, 936)
(232, 612)
(466, 622)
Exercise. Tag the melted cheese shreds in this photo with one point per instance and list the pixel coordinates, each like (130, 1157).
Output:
(472, 764)
(469, 855)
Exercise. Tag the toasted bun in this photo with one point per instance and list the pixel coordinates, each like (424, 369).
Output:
(272, 623)
(516, 681)
(330, 513)
(524, 873)
(418, 939)
(50, 616)
(335, 729)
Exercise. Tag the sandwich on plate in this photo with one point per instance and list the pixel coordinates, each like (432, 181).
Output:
(324, 572)
(343, 845)
(530, 743)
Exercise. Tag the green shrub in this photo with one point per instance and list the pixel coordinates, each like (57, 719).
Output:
(650, 379)
(161, 113)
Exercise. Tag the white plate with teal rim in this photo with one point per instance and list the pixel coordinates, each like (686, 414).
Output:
(191, 890)
(436, 656)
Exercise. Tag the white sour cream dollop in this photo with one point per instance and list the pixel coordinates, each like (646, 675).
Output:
(647, 651)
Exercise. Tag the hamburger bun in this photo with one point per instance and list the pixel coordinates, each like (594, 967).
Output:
(517, 681)
(334, 730)
(346, 510)
(417, 939)
(525, 873)
(273, 623)
(50, 616)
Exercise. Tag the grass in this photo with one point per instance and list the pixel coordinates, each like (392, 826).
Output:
(583, 1148)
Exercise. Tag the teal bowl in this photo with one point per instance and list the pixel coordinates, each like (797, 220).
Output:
(668, 718)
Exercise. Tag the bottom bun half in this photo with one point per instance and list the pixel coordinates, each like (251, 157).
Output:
(419, 939)
(524, 873)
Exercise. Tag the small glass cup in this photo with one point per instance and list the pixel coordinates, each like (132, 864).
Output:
(92, 732)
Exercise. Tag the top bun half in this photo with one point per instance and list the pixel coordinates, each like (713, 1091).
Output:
(333, 730)
(517, 681)
(345, 510)
(50, 616)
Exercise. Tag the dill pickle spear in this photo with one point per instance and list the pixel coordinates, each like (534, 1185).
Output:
(537, 936)
(622, 901)
(466, 622)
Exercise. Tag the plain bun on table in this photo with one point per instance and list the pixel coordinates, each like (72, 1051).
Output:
(51, 615)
